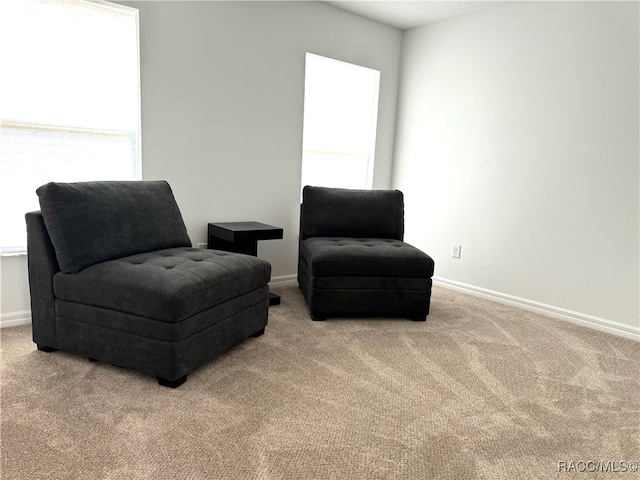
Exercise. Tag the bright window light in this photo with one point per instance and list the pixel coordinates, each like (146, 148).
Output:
(69, 101)
(340, 118)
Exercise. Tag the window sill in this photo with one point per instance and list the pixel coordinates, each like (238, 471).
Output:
(13, 254)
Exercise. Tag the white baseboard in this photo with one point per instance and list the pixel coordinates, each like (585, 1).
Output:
(590, 321)
(14, 319)
(284, 281)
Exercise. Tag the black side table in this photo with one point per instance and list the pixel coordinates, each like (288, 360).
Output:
(242, 237)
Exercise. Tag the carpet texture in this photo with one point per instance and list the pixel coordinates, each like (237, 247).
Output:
(478, 391)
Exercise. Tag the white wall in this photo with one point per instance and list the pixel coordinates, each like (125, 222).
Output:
(517, 137)
(14, 290)
(222, 107)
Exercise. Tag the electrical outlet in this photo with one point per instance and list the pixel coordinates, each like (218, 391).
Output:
(202, 245)
(455, 253)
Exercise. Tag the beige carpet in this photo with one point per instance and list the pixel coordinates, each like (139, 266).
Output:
(480, 390)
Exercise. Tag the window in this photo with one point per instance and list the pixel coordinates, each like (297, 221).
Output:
(340, 118)
(69, 101)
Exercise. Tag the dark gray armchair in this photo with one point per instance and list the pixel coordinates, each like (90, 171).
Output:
(352, 258)
(113, 277)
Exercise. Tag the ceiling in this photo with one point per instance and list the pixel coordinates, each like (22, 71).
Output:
(404, 14)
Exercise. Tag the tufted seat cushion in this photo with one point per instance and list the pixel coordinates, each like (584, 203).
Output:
(167, 285)
(364, 257)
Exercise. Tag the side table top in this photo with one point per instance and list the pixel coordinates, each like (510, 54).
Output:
(239, 231)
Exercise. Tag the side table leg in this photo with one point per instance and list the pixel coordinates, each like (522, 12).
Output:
(274, 299)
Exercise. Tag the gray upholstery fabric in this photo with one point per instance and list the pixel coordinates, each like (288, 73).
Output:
(134, 292)
(42, 265)
(91, 222)
(164, 331)
(336, 212)
(370, 283)
(352, 259)
(167, 285)
(168, 360)
(362, 302)
(364, 257)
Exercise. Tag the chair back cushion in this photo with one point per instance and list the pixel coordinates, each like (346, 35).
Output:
(339, 212)
(91, 222)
